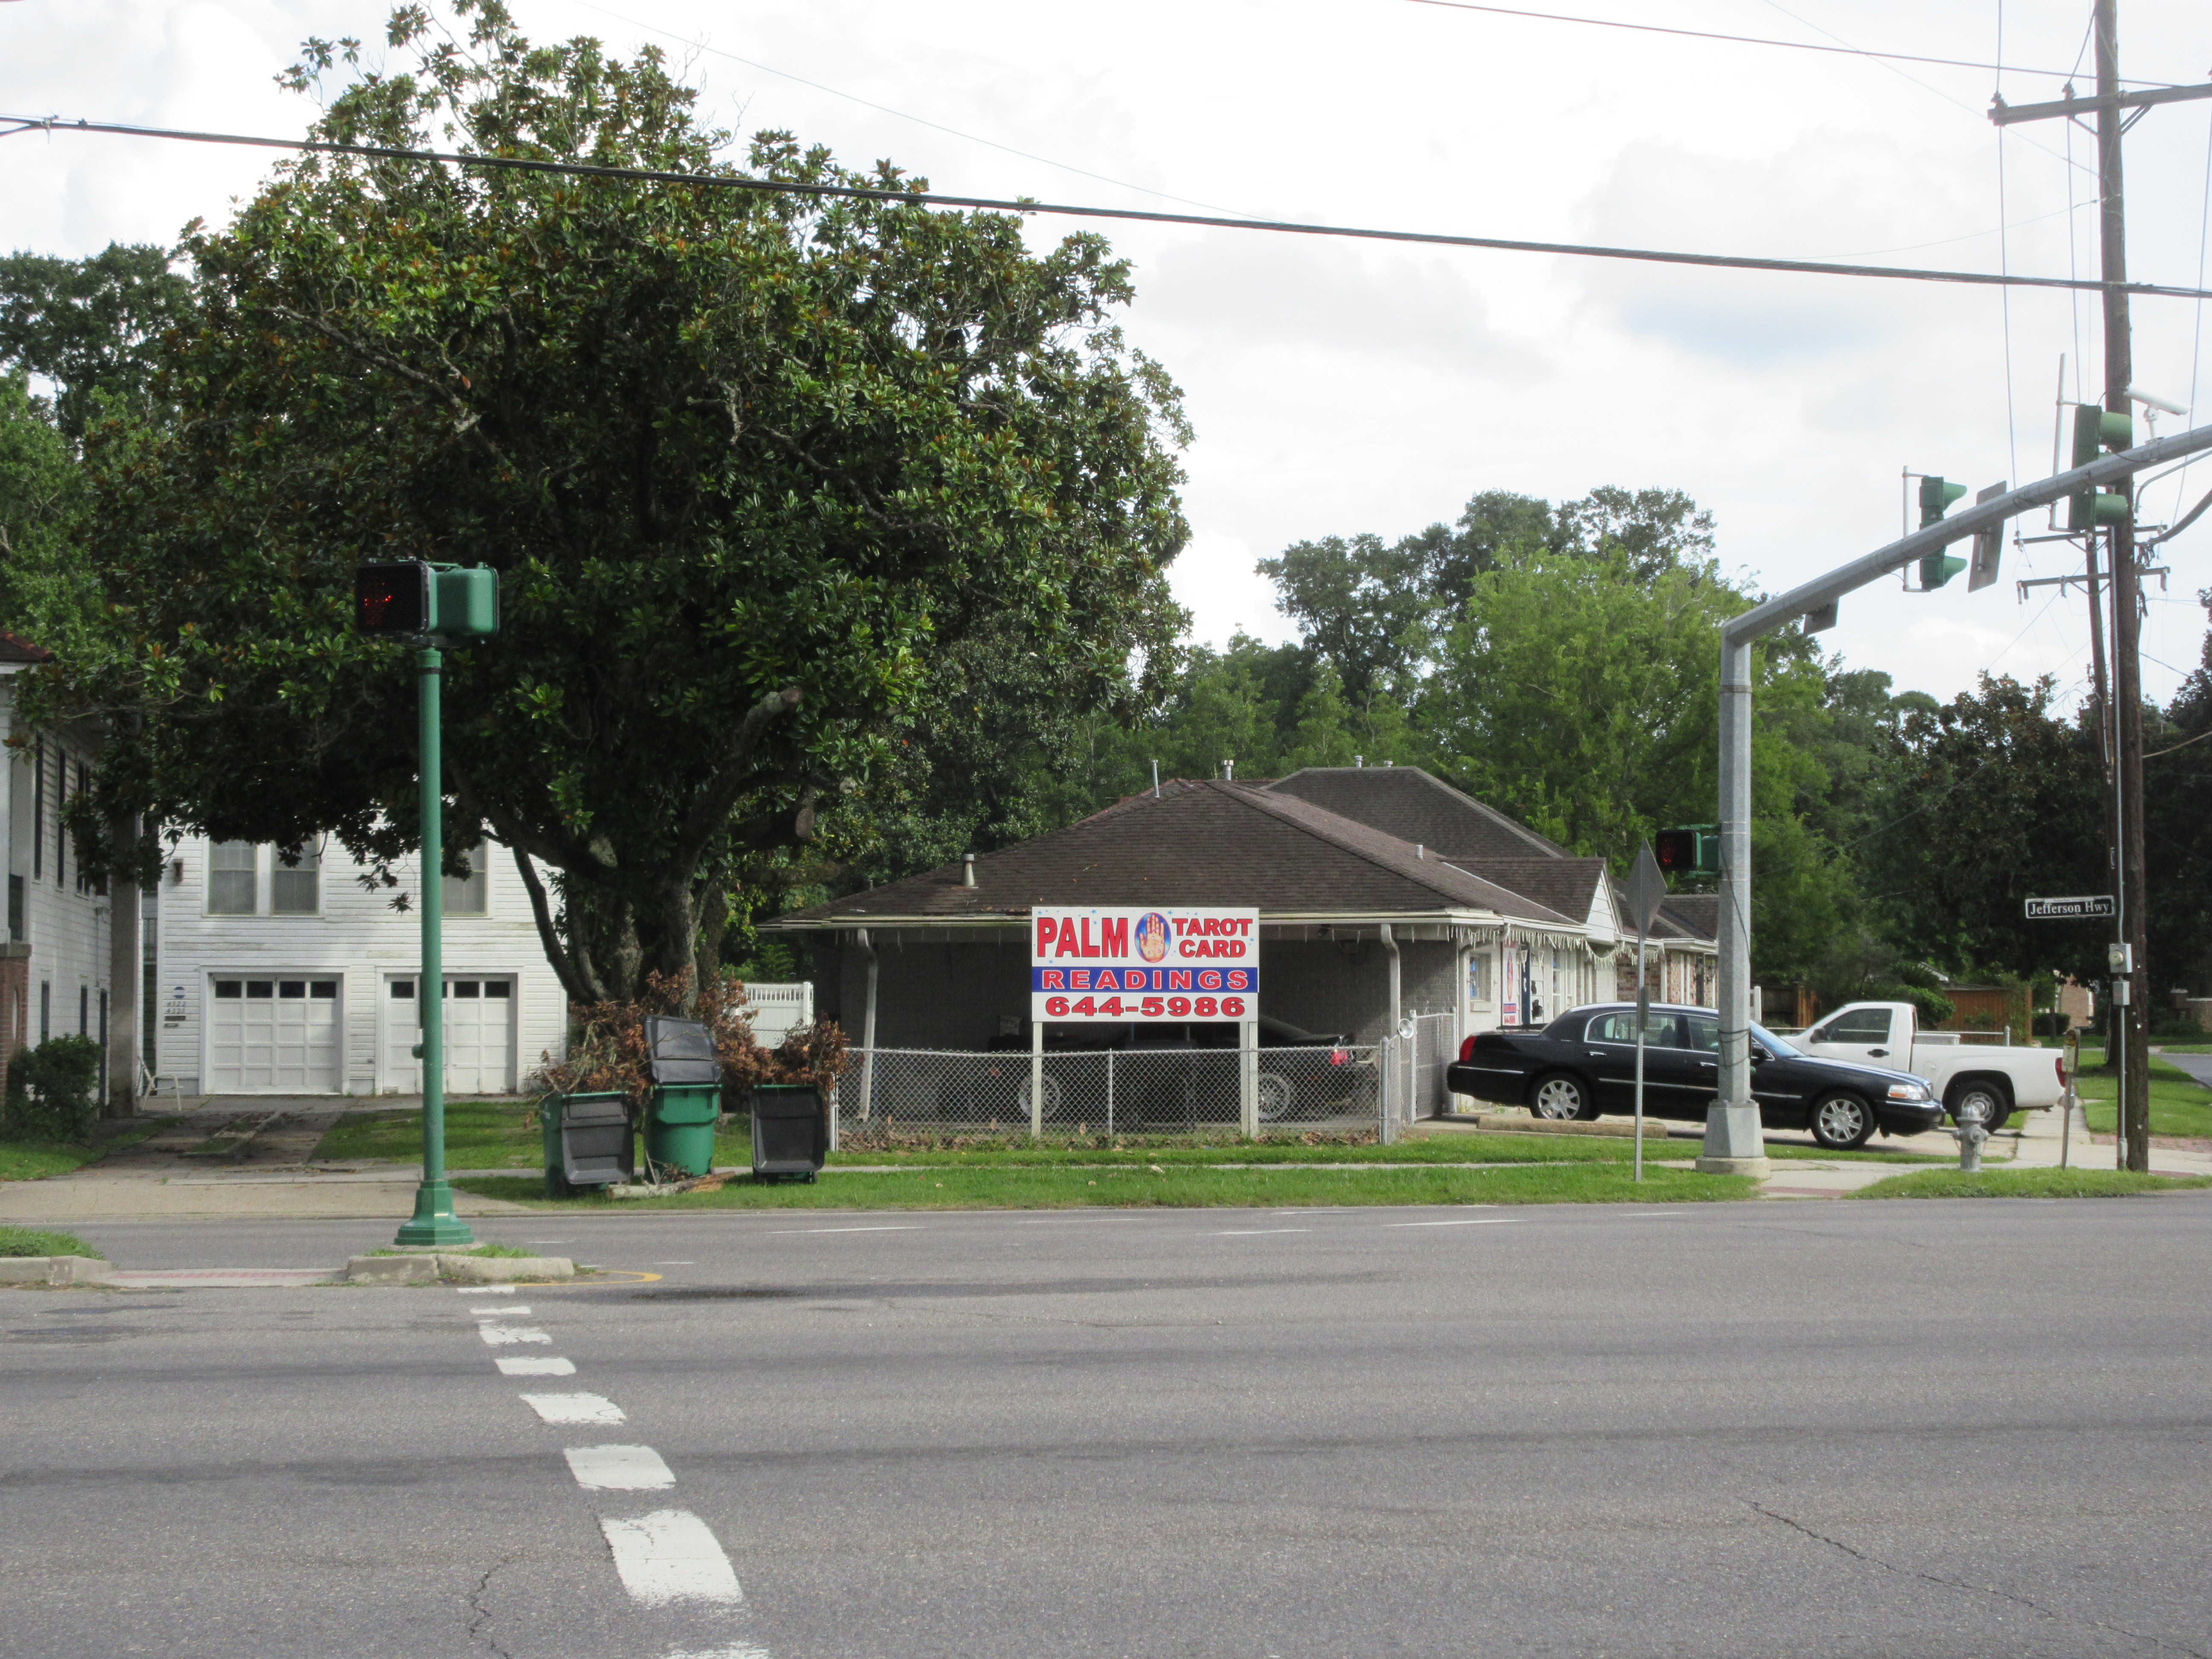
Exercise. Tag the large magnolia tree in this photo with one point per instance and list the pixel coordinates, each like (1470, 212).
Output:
(750, 466)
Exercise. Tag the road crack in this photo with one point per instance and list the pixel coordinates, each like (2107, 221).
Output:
(480, 1615)
(1937, 1579)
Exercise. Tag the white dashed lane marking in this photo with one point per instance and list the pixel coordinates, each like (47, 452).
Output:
(618, 1469)
(499, 1336)
(1254, 1232)
(510, 1311)
(669, 1556)
(898, 1227)
(487, 1290)
(1471, 1221)
(574, 1407)
(515, 1365)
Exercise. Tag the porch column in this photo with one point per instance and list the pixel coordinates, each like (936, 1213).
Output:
(867, 1030)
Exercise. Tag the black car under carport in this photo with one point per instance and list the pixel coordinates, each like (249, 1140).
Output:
(1582, 1065)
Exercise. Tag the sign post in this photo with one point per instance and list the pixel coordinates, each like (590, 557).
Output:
(2070, 1063)
(1647, 891)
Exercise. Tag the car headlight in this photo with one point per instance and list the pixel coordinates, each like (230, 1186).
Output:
(1909, 1092)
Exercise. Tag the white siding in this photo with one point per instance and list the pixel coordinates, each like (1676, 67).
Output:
(359, 938)
(65, 926)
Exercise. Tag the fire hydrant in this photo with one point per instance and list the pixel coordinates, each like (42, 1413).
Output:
(1970, 1134)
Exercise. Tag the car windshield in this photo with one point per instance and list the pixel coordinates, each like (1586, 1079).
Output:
(1772, 1043)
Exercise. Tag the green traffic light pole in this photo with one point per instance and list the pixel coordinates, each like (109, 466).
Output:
(1734, 1141)
(434, 1221)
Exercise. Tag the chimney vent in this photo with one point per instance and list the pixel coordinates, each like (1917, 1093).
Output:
(967, 869)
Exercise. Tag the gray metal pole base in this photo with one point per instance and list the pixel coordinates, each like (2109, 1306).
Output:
(1734, 1143)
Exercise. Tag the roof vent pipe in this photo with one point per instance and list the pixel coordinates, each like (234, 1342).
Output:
(1359, 760)
(1228, 770)
(1156, 779)
(1419, 851)
(967, 869)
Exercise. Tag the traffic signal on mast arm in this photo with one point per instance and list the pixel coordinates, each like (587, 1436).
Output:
(410, 597)
(1689, 849)
(1936, 498)
(2095, 428)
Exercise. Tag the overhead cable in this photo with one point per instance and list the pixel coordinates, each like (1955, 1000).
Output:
(1063, 209)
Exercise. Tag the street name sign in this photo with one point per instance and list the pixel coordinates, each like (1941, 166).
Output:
(2081, 906)
(1175, 961)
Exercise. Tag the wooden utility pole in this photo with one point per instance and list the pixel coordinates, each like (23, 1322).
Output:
(2129, 1021)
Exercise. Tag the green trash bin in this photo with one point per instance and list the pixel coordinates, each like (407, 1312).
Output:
(686, 1095)
(679, 1127)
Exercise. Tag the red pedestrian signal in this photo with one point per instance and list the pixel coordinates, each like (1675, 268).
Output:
(1691, 850)
(392, 598)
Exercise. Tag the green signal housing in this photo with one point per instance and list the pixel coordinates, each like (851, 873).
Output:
(1936, 498)
(2096, 429)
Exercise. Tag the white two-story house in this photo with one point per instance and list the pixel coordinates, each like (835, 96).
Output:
(66, 967)
(277, 971)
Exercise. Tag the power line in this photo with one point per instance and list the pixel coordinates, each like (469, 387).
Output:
(1138, 215)
(1843, 49)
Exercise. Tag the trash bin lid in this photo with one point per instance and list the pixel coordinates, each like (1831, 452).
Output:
(786, 1100)
(680, 1050)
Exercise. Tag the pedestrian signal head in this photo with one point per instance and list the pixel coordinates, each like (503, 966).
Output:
(1690, 850)
(412, 597)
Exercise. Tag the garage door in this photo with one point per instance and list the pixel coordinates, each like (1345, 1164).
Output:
(479, 1020)
(274, 1037)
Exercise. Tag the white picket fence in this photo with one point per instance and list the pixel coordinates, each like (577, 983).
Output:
(776, 1010)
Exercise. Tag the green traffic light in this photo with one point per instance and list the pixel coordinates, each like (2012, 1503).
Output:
(1937, 568)
(1935, 499)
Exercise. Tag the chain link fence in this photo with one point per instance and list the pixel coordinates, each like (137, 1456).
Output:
(1335, 1090)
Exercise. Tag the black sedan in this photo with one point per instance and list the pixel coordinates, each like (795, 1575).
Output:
(1583, 1064)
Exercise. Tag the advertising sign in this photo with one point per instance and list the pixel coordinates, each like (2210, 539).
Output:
(1512, 968)
(1177, 963)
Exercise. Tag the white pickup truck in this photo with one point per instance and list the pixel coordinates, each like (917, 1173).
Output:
(2005, 1078)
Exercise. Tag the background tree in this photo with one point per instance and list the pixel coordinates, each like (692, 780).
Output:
(748, 465)
(93, 327)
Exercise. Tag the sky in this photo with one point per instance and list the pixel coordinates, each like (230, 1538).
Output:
(1336, 386)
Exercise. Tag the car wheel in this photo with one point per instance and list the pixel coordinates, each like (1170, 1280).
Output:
(1842, 1122)
(1994, 1111)
(1563, 1099)
(1275, 1097)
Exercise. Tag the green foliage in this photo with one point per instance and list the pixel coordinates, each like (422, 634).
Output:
(92, 326)
(54, 1091)
(2027, 1184)
(46, 594)
(769, 480)
(30, 1241)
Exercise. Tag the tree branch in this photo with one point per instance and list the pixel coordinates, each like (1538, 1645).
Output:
(712, 807)
(575, 973)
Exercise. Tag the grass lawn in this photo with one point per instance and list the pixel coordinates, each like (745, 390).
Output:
(500, 1134)
(34, 1160)
(2026, 1183)
(2186, 1048)
(29, 1240)
(2179, 1105)
(480, 1134)
(1588, 1182)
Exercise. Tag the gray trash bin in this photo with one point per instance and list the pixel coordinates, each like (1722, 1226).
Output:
(587, 1142)
(791, 1132)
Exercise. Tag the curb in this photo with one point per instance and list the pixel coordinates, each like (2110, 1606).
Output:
(431, 1269)
(53, 1270)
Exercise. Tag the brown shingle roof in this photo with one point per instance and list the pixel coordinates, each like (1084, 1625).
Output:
(1408, 803)
(15, 648)
(1568, 885)
(1695, 915)
(1203, 842)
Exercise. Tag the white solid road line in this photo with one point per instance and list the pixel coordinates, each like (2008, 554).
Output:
(1471, 1221)
(619, 1468)
(501, 1335)
(574, 1407)
(740, 1651)
(896, 1227)
(1254, 1232)
(671, 1556)
(510, 1311)
(486, 1289)
(533, 1365)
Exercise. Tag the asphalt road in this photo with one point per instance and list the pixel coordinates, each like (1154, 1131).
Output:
(1773, 1429)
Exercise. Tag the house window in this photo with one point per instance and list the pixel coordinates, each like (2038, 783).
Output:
(15, 907)
(84, 1011)
(230, 878)
(470, 895)
(295, 881)
(61, 820)
(38, 808)
(1478, 977)
(46, 1009)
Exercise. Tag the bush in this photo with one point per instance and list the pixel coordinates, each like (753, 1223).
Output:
(1932, 1007)
(53, 1091)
